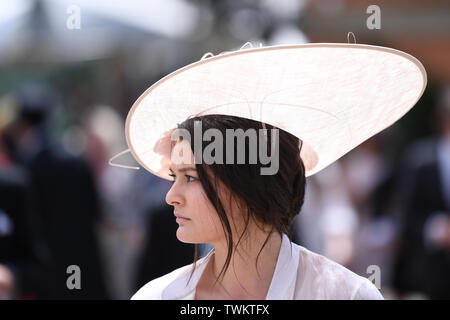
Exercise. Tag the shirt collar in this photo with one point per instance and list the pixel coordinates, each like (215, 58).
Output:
(282, 286)
(284, 278)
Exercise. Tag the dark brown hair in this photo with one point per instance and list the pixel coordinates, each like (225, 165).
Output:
(273, 200)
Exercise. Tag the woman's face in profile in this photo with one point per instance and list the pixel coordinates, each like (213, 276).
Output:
(189, 200)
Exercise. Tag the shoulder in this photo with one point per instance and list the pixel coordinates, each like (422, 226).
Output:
(367, 291)
(322, 278)
(153, 290)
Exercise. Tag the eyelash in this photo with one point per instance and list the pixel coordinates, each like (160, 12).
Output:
(174, 176)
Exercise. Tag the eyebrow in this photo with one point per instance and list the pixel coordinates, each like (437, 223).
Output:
(184, 169)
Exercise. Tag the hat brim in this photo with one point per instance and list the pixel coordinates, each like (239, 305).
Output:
(332, 96)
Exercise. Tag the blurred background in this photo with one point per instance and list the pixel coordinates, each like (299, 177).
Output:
(71, 70)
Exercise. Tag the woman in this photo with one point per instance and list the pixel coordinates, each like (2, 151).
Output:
(319, 101)
(247, 217)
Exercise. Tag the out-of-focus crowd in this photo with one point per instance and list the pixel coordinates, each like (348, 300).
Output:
(386, 219)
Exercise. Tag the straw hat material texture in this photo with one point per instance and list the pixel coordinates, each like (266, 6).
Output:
(332, 96)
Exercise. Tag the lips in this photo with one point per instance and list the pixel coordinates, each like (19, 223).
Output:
(179, 216)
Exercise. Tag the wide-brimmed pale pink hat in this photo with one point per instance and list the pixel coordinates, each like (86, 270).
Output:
(332, 96)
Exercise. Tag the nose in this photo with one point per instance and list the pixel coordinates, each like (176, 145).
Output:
(174, 197)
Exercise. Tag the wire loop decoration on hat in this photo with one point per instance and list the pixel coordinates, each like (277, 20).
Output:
(209, 54)
(121, 165)
(348, 37)
(206, 55)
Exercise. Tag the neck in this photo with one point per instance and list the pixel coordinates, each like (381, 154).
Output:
(244, 279)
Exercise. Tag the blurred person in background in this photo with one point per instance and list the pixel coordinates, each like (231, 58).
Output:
(349, 207)
(22, 257)
(63, 196)
(369, 177)
(119, 231)
(134, 211)
(329, 220)
(423, 262)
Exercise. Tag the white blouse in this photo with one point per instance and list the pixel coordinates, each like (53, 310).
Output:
(299, 274)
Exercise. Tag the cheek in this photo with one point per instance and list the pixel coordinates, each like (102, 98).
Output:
(205, 214)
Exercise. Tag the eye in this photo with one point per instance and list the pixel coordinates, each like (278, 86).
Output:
(173, 176)
(190, 177)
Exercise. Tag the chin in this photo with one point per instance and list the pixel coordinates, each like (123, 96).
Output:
(186, 236)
